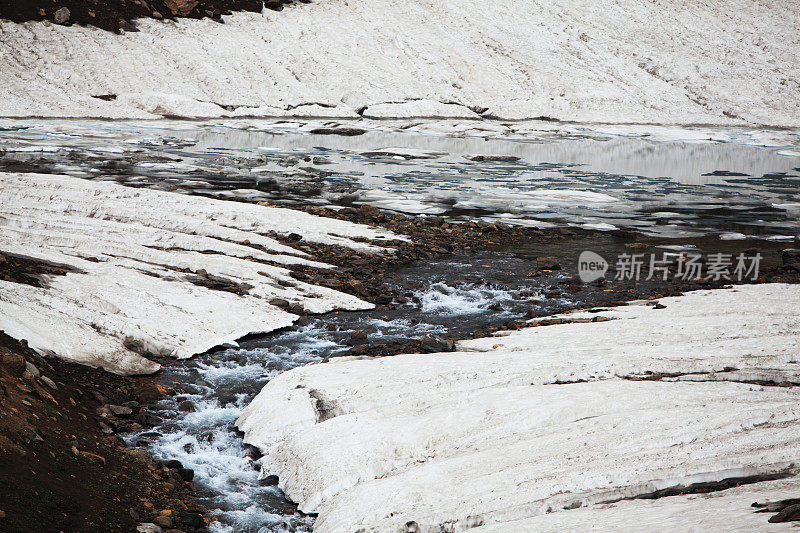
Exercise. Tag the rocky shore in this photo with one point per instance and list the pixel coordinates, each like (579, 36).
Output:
(62, 465)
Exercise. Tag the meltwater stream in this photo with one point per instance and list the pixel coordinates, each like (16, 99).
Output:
(215, 387)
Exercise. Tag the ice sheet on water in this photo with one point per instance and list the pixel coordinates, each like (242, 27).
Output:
(569, 173)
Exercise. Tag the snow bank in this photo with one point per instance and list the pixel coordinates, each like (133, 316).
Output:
(728, 510)
(517, 426)
(137, 256)
(721, 62)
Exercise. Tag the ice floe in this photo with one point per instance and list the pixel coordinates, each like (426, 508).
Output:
(142, 264)
(523, 428)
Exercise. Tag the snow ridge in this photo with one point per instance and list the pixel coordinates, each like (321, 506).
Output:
(484, 436)
(138, 261)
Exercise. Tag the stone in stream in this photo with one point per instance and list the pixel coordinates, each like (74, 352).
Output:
(147, 419)
(173, 463)
(433, 344)
(357, 338)
(548, 263)
(187, 474)
(186, 406)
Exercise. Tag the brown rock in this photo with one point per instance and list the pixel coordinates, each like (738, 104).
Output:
(357, 337)
(147, 393)
(790, 513)
(181, 7)
(119, 410)
(163, 521)
(548, 263)
(13, 361)
(369, 211)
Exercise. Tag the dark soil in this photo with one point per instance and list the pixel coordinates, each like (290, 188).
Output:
(61, 467)
(20, 269)
(116, 15)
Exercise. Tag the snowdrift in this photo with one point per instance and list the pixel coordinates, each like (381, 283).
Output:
(714, 62)
(138, 264)
(515, 431)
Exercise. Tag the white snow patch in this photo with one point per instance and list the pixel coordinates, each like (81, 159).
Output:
(728, 510)
(135, 254)
(619, 61)
(489, 424)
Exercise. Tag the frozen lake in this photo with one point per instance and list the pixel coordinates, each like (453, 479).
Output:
(661, 181)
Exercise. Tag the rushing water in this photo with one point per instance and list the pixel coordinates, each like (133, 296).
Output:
(455, 301)
(676, 184)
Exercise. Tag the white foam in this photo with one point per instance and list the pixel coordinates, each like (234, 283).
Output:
(465, 299)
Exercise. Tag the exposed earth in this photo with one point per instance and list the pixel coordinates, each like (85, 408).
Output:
(117, 15)
(61, 466)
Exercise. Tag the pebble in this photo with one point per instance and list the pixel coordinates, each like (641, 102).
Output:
(148, 527)
(49, 382)
(31, 369)
(186, 406)
(62, 15)
(119, 410)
